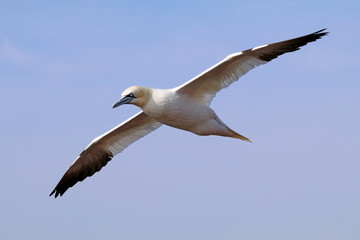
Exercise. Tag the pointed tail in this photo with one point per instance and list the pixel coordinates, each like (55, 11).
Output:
(238, 136)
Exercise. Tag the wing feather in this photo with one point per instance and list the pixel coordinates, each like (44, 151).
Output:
(205, 86)
(103, 148)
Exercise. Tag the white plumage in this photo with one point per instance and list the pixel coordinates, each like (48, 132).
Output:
(185, 107)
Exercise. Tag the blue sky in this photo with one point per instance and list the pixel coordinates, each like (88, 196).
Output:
(63, 65)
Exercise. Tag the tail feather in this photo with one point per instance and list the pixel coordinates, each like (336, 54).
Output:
(233, 133)
(238, 136)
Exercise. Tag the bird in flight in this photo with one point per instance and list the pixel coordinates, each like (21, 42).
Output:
(184, 107)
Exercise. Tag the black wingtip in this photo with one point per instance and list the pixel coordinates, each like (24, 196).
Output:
(321, 32)
(53, 193)
(56, 193)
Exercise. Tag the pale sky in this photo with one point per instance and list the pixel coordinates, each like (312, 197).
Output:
(63, 65)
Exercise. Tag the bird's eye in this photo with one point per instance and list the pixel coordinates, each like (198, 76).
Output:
(130, 95)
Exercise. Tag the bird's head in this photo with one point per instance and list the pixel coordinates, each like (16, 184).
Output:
(134, 95)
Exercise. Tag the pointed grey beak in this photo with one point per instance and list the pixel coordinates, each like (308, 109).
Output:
(121, 101)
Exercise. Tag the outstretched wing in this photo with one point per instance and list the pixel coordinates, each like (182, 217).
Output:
(103, 148)
(205, 86)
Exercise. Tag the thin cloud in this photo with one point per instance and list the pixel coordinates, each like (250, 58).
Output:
(10, 53)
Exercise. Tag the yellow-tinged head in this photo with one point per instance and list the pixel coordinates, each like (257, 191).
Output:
(136, 95)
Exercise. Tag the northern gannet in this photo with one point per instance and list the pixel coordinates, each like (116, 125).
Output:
(185, 107)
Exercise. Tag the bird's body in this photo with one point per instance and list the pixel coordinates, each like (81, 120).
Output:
(186, 107)
(178, 110)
